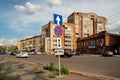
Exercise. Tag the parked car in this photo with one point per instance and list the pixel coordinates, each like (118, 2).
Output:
(108, 53)
(32, 52)
(66, 54)
(13, 53)
(22, 55)
(38, 52)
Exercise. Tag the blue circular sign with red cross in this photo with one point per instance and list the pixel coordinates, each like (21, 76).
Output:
(58, 31)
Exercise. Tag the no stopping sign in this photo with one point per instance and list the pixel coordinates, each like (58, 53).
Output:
(58, 31)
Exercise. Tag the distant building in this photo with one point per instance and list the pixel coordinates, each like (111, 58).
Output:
(99, 43)
(31, 43)
(87, 23)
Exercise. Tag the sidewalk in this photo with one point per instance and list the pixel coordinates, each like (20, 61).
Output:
(20, 70)
(30, 68)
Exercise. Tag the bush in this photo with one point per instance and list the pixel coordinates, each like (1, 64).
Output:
(39, 72)
(50, 67)
(52, 75)
(1, 68)
(64, 70)
(46, 67)
(4, 76)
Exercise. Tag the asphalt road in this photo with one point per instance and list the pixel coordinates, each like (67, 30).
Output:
(95, 64)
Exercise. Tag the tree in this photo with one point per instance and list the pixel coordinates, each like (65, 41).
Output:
(12, 48)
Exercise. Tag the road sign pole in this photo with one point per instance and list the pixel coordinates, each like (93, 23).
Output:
(58, 32)
(59, 66)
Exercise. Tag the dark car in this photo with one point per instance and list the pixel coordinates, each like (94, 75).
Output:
(108, 53)
(66, 54)
(13, 53)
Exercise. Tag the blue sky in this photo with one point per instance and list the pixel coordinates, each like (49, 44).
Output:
(23, 18)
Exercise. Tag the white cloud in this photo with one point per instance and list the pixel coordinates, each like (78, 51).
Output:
(20, 8)
(28, 8)
(54, 2)
(13, 41)
(114, 28)
(118, 22)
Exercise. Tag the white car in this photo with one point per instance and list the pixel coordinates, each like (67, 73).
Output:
(108, 53)
(22, 55)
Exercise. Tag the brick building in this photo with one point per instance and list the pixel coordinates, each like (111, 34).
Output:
(99, 43)
(87, 23)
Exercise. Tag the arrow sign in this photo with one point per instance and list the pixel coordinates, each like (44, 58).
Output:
(58, 19)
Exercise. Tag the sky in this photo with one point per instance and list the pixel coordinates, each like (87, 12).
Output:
(23, 18)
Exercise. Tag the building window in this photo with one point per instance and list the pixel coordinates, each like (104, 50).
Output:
(83, 43)
(91, 42)
(99, 22)
(102, 41)
(76, 20)
(85, 26)
(97, 42)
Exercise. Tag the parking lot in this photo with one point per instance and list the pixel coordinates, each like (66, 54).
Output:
(95, 64)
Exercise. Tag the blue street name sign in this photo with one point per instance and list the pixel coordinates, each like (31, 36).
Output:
(91, 46)
(58, 19)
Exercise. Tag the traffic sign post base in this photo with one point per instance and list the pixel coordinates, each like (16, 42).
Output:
(59, 66)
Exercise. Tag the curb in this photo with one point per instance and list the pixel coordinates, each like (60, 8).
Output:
(99, 77)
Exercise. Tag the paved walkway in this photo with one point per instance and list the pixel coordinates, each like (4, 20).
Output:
(26, 71)
(79, 76)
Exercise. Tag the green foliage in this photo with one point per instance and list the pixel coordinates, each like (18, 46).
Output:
(46, 67)
(4, 76)
(50, 67)
(64, 70)
(39, 72)
(11, 48)
(1, 68)
(2, 47)
(52, 75)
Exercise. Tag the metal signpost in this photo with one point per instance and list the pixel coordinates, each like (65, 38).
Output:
(58, 32)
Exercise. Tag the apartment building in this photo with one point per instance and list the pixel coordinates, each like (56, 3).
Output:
(99, 43)
(29, 44)
(87, 23)
(67, 39)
